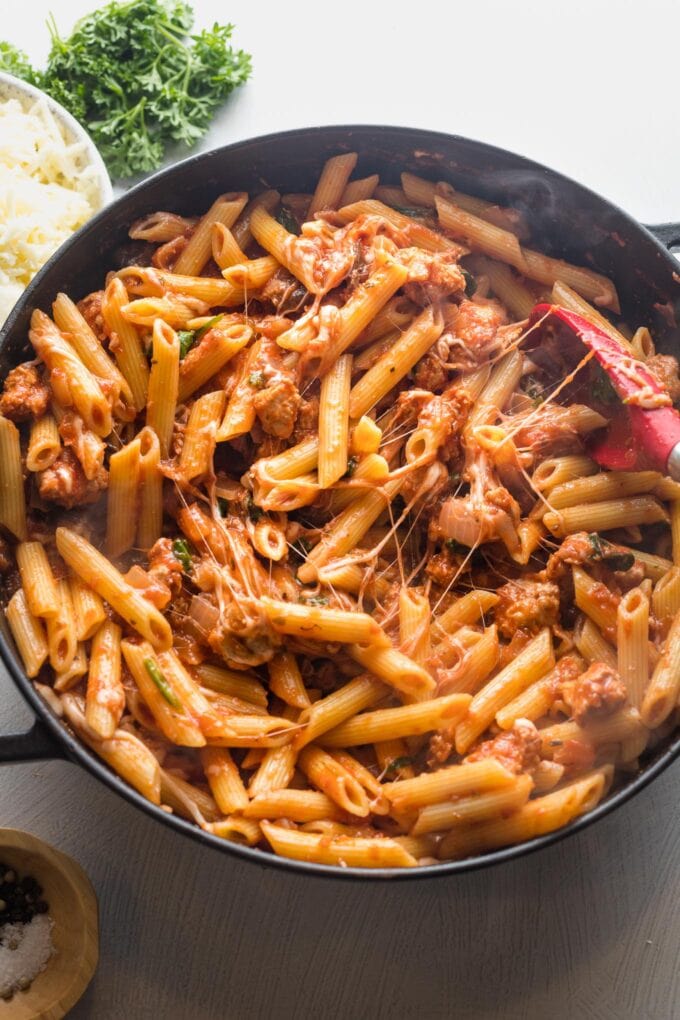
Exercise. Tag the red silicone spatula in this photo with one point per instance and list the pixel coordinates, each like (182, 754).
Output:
(645, 432)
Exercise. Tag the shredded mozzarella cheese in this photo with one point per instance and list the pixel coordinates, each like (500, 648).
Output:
(47, 191)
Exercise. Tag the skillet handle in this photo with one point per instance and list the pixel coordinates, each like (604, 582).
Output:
(35, 744)
(667, 233)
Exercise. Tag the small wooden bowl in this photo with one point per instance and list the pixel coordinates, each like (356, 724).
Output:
(75, 934)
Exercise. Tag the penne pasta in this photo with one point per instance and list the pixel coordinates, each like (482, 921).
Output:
(358, 190)
(321, 624)
(295, 805)
(592, 645)
(163, 384)
(661, 694)
(483, 807)
(332, 182)
(121, 509)
(150, 523)
(391, 368)
(632, 643)
(169, 709)
(100, 575)
(393, 723)
(448, 783)
(28, 632)
(127, 347)
(334, 408)
(201, 435)
(414, 625)
(236, 684)
(70, 321)
(62, 643)
(348, 528)
(286, 682)
(535, 660)
(609, 485)
(225, 248)
(538, 817)
(328, 712)
(352, 851)
(44, 445)
(12, 498)
(504, 246)
(105, 697)
(605, 516)
(224, 779)
(558, 470)
(88, 609)
(333, 779)
(225, 210)
(40, 588)
(218, 347)
(275, 771)
(666, 596)
(395, 669)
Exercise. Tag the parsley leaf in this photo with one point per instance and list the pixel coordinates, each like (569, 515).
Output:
(397, 764)
(533, 389)
(415, 212)
(470, 282)
(610, 555)
(200, 333)
(619, 561)
(254, 512)
(181, 552)
(300, 548)
(602, 389)
(14, 61)
(596, 543)
(136, 78)
(161, 683)
(186, 339)
(257, 380)
(287, 220)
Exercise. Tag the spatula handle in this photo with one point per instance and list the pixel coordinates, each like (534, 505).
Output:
(673, 465)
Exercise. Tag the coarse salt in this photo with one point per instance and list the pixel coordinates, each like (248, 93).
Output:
(25, 950)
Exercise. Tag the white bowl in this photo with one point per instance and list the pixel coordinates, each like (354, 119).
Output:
(14, 88)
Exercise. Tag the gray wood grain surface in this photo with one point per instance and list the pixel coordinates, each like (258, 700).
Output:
(589, 928)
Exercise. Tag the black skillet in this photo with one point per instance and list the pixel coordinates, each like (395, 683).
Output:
(566, 220)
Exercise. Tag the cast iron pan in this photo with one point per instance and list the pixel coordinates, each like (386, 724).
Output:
(566, 220)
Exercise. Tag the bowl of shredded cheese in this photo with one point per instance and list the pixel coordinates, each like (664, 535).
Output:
(52, 180)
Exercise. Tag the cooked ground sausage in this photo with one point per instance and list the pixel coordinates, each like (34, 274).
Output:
(529, 605)
(25, 394)
(164, 564)
(599, 691)
(518, 749)
(665, 368)
(64, 482)
(277, 406)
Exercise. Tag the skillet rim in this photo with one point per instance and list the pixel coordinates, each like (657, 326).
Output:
(78, 752)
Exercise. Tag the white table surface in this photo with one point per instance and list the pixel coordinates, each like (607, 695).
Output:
(589, 928)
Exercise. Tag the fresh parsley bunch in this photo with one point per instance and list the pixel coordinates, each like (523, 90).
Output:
(136, 79)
